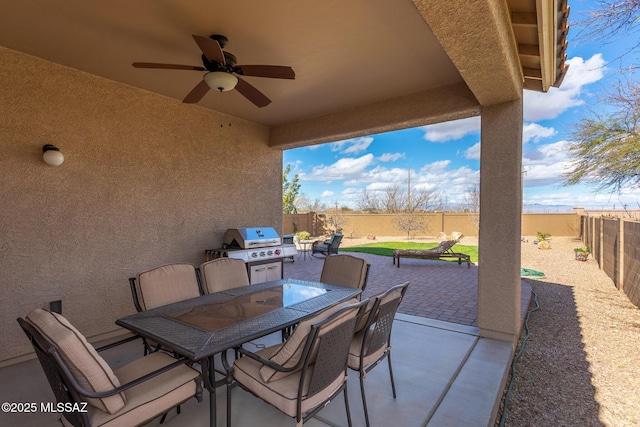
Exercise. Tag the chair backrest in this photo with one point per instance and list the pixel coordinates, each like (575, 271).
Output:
(58, 380)
(288, 238)
(345, 270)
(66, 356)
(335, 240)
(165, 285)
(447, 245)
(224, 273)
(380, 320)
(327, 349)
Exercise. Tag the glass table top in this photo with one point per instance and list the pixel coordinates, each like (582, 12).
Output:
(214, 317)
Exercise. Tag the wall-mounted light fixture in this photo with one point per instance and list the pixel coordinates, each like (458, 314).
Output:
(52, 155)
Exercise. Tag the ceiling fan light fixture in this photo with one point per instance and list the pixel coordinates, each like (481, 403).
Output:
(221, 81)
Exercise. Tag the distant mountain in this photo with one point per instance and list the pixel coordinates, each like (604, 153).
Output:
(539, 208)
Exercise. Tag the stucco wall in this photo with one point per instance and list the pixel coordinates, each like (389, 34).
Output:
(361, 225)
(146, 181)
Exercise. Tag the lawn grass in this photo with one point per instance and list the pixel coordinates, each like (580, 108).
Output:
(386, 248)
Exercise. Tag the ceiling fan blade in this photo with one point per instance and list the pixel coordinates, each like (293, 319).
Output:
(272, 71)
(196, 93)
(167, 66)
(211, 49)
(252, 94)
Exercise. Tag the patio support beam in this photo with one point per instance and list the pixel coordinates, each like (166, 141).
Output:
(418, 109)
(500, 221)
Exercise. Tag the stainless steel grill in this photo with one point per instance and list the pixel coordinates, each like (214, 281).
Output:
(259, 247)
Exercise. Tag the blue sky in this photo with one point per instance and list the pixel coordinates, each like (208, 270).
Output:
(445, 157)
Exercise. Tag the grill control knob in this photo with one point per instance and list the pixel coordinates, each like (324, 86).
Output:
(270, 253)
(254, 254)
(262, 253)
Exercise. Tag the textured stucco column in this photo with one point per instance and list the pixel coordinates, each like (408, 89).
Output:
(500, 221)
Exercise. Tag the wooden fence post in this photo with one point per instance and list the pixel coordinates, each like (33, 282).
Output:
(621, 223)
(601, 245)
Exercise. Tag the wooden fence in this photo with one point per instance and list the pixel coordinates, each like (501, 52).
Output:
(615, 244)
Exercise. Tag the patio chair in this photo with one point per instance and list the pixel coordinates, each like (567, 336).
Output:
(372, 341)
(301, 376)
(328, 247)
(345, 270)
(223, 273)
(81, 379)
(164, 285)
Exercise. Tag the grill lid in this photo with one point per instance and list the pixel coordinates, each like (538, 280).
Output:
(247, 238)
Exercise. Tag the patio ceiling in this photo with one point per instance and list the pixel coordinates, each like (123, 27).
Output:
(346, 54)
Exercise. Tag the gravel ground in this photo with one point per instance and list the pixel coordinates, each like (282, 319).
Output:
(581, 363)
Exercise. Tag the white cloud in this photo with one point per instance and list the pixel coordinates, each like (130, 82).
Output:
(351, 193)
(534, 132)
(391, 157)
(327, 194)
(546, 164)
(449, 131)
(473, 152)
(352, 146)
(435, 167)
(542, 106)
(345, 168)
(381, 177)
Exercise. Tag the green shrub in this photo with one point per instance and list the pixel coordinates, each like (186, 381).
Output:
(303, 235)
(543, 236)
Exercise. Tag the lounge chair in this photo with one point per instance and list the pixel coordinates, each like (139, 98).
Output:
(328, 247)
(443, 250)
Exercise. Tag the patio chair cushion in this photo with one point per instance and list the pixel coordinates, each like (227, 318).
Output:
(224, 273)
(288, 354)
(89, 369)
(281, 393)
(355, 349)
(365, 314)
(152, 397)
(167, 284)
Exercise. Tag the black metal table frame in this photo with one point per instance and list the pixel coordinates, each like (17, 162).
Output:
(201, 345)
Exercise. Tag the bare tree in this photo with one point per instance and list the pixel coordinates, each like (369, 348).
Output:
(395, 199)
(411, 221)
(426, 200)
(472, 205)
(368, 202)
(612, 20)
(304, 204)
(336, 220)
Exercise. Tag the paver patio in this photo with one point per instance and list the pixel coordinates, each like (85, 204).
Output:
(439, 289)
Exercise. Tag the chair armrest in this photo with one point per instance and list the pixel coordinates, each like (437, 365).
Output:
(101, 394)
(268, 362)
(117, 343)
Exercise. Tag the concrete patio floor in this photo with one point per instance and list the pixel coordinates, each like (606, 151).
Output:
(446, 375)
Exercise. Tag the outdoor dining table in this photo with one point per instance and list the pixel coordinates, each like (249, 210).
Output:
(199, 328)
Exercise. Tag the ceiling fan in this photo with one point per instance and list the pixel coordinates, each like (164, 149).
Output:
(222, 72)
